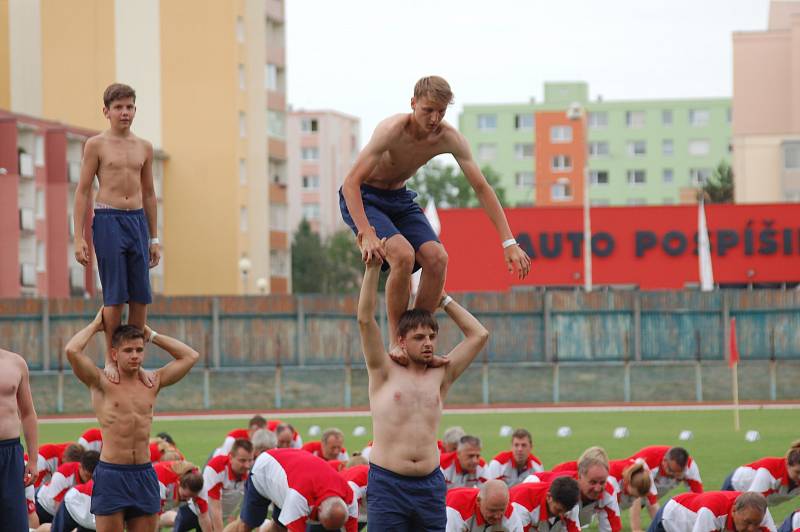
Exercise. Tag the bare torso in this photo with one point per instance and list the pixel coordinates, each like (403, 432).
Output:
(406, 154)
(406, 410)
(119, 170)
(125, 413)
(10, 379)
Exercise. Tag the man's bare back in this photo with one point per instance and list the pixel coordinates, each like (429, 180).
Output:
(119, 164)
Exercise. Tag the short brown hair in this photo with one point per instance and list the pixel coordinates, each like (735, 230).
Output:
(125, 333)
(638, 478)
(192, 480)
(413, 318)
(434, 87)
(73, 453)
(793, 454)
(257, 421)
(118, 91)
(241, 443)
(521, 434)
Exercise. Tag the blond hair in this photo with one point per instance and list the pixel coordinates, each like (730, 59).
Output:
(591, 457)
(435, 88)
(637, 477)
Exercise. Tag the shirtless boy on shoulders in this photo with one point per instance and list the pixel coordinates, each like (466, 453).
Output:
(124, 228)
(126, 490)
(406, 487)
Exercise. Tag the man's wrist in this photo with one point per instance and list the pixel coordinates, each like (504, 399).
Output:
(155, 240)
(446, 300)
(153, 336)
(510, 242)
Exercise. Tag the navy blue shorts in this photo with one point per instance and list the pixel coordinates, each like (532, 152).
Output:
(63, 521)
(255, 506)
(128, 488)
(727, 485)
(786, 526)
(43, 515)
(186, 520)
(122, 245)
(13, 506)
(391, 212)
(657, 525)
(397, 503)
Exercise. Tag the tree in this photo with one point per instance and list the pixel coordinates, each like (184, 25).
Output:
(449, 188)
(308, 261)
(719, 187)
(344, 267)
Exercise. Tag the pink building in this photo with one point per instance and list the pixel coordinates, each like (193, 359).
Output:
(322, 147)
(766, 108)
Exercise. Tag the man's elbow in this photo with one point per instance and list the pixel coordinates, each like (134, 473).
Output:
(194, 356)
(71, 354)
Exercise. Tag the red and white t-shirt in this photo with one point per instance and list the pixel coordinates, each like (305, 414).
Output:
(653, 456)
(529, 501)
(463, 513)
(51, 455)
(769, 477)
(92, 440)
(168, 482)
(705, 512)
(78, 502)
(315, 448)
(456, 477)
(297, 482)
(219, 480)
(232, 436)
(30, 493)
(606, 508)
(505, 468)
(52, 493)
(357, 477)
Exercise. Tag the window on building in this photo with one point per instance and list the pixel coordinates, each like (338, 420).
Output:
(487, 122)
(279, 263)
(699, 147)
(561, 163)
(666, 117)
(243, 219)
(487, 151)
(242, 77)
(598, 149)
(637, 177)
(636, 201)
(41, 207)
(667, 176)
(637, 148)
(791, 155)
(524, 122)
(243, 172)
(309, 154)
(311, 211)
(598, 177)
(38, 151)
(634, 119)
(561, 191)
(598, 119)
(271, 77)
(523, 150)
(310, 182)
(699, 176)
(699, 117)
(41, 257)
(309, 125)
(278, 217)
(240, 29)
(276, 124)
(242, 125)
(561, 134)
(27, 274)
(525, 180)
(667, 147)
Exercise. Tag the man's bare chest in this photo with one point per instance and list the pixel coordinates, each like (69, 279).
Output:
(413, 394)
(9, 384)
(122, 158)
(128, 400)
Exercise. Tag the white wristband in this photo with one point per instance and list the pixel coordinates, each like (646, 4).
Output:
(510, 242)
(446, 301)
(154, 241)
(153, 335)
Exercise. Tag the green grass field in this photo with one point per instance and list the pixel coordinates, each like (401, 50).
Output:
(716, 447)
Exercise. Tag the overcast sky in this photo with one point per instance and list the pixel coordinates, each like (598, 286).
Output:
(362, 57)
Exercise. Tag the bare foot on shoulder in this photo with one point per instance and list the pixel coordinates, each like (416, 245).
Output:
(398, 355)
(111, 372)
(147, 377)
(438, 361)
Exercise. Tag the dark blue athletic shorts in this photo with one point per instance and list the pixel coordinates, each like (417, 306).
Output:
(63, 521)
(186, 520)
(129, 488)
(255, 506)
(13, 506)
(657, 524)
(397, 503)
(391, 212)
(727, 484)
(122, 245)
(786, 526)
(43, 515)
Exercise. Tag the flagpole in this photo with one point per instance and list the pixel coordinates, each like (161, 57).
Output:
(735, 375)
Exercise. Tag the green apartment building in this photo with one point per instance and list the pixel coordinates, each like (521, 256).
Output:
(640, 152)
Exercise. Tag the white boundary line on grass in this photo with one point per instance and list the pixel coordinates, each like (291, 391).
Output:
(289, 414)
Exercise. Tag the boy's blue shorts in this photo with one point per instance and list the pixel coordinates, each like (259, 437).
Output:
(122, 245)
(399, 503)
(391, 212)
(13, 506)
(129, 488)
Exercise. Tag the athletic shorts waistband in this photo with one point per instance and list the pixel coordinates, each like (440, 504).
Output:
(126, 467)
(385, 471)
(119, 212)
(385, 192)
(10, 442)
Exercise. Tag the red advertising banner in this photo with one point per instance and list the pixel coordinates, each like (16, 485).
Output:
(646, 247)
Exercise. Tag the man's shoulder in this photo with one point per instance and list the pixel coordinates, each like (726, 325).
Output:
(9, 357)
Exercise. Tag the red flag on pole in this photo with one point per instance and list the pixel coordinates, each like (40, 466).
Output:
(734, 351)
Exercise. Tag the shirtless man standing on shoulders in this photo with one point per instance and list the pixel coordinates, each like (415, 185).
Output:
(376, 204)
(16, 405)
(406, 486)
(126, 490)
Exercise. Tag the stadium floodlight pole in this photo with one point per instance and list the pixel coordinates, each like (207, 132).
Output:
(577, 114)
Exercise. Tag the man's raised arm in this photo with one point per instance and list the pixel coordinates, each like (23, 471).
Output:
(185, 357)
(475, 338)
(371, 340)
(82, 366)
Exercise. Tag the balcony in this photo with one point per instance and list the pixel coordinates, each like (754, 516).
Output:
(26, 167)
(276, 148)
(277, 193)
(274, 10)
(278, 240)
(276, 101)
(27, 220)
(276, 55)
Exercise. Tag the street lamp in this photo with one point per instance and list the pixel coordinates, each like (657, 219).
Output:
(576, 113)
(261, 284)
(244, 268)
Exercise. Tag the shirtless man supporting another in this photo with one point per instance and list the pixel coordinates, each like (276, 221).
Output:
(376, 204)
(16, 404)
(126, 490)
(406, 487)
